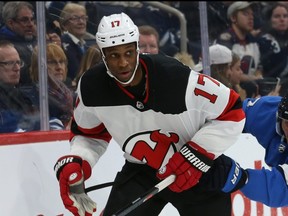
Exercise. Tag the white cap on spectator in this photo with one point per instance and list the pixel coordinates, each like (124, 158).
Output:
(236, 6)
(219, 54)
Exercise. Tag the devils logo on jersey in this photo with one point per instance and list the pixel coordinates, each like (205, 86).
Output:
(152, 147)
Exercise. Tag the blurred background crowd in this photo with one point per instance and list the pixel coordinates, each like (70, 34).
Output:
(248, 50)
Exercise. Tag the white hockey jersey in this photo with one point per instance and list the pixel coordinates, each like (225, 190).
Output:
(179, 105)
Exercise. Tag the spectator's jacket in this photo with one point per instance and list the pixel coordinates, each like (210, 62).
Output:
(274, 51)
(24, 48)
(74, 54)
(16, 110)
(60, 102)
(247, 50)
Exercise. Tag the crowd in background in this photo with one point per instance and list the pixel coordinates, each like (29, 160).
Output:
(254, 33)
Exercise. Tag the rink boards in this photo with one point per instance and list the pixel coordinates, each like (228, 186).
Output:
(29, 187)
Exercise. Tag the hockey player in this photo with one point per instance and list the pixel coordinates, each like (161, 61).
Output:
(260, 113)
(268, 186)
(163, 115)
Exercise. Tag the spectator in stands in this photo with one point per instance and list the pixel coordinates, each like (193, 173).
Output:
(273, 43)
(20, 28)
(60, 97)
(239, 39)
(148, 39)
(225, 66)
(220, 60)
(234, 77)
(236, 72)
(58, 69)
(91, 57)
(250, 88)
(149, 43)
(73, 20)
(16, 110)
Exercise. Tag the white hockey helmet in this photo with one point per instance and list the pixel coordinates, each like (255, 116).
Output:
(116, 29)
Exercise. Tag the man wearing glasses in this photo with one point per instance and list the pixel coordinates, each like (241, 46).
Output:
(16, 110)
(20, 29)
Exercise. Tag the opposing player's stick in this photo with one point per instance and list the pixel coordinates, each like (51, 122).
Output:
(146, 196)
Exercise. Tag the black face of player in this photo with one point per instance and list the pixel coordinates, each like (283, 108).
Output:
(121, 60)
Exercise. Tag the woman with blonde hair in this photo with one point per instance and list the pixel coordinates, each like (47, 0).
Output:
(60, 97)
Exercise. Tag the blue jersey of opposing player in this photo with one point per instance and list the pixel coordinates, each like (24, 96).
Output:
(267, 120)
(263, 123)
(268, 186)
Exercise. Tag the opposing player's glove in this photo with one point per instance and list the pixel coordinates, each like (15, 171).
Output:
(225, 175)
(188, 165)
(71, 171)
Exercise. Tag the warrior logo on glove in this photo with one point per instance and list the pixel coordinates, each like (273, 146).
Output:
(188, 165)
(193, 159)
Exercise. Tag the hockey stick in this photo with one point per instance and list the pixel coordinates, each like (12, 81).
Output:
(108, 184)
(99, 186)
(146, 196)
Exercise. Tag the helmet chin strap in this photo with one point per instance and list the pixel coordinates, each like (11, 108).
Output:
(131, 78)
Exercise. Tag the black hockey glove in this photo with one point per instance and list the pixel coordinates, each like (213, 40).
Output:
(225, 175)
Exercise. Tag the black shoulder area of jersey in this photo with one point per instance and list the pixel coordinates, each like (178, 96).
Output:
(168, 79)
(97, 88)
(167, 82)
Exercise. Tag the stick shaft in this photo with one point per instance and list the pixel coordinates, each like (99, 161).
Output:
(99, 186)
(146, 196)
